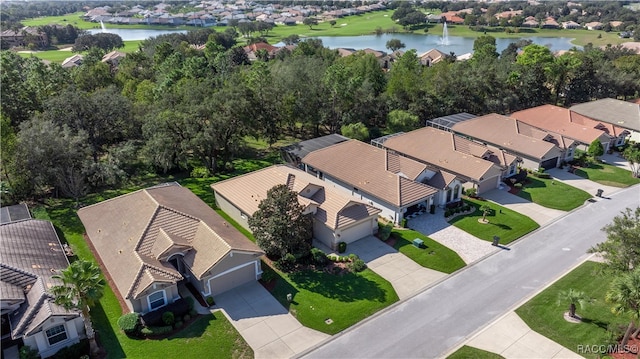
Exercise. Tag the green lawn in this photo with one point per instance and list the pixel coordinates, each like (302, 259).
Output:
(553, 194)
(434, 256)
(61, 55)
(504, 223)
(345, 299)
(467, 352)
(545, 315)
(608, 175)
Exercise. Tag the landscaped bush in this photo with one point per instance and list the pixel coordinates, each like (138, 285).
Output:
(27, 353)
(179, 324)
(151, 331)
(168, 318)
(200, 172)
(342, 247)
(179, 308)
(193, 312)
(470, 192)
(318, 256)
(186, 317)
(333, 257)
(210, 300)
(129, 323)
(447, 212)
(384, 230)
(286, 263)
(353, 256)
(403, 223)
(357, 265)
(75, 351)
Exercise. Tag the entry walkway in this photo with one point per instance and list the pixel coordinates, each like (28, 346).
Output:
(270, 330)
(584, 184)
(406, 276)
(541, 215)
(468, 247)
(511, 337)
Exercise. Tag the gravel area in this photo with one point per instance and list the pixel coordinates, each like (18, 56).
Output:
(468, 247)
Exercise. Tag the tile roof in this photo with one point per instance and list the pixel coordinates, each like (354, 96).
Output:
(366, 168)
(616, 112)
(445, 151)
(561, 121)
(504, 132)
(334, 209)
(134, 234)
(31, 254)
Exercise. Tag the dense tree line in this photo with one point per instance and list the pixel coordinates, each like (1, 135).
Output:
(172, 107)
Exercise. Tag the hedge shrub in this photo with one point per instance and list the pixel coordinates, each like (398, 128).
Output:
(357, 265)
(318, 256)
(156, 330)
(342, 247)
(129, 323)
(74, 351)
(210, 300)
(168, 318)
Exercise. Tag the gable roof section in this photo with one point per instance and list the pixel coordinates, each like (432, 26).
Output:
(31, 254)
(561, 121)
(333, 208)
(616, 112)
(445, 151)
(364, 167)
(135, 233)
(503, 132)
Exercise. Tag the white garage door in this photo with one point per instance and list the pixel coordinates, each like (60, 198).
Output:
(356, 232)
(233, 279)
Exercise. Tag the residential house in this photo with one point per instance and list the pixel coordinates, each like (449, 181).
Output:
(432, 57)
(293, 154)
(467, 161)
(24, 37)
(570, 25)
(594, 25)
(253, 49)
(531, 145)
(151, 240)
(550, 23)
(114, 57)
(337, 217)
(614, 115)
(569, 124)
(452, 17)
(530, 21)
(382, 179)
(73, 61)
(30, 255)
(508, 14)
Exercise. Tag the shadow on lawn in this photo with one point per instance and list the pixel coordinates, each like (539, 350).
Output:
(107, 339)
(197, 328)
(347, 287)
(596, 322)
(501, 226)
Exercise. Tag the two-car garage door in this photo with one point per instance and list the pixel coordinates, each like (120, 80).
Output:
(356, 232)
(550, 163)
(233, 278)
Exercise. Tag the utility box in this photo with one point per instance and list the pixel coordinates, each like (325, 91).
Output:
(419, 243)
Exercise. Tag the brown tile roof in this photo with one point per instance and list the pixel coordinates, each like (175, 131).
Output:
(135, 233)
(334, 209)
(30, 254)
(615, 112)
(445, 151)
(365, 167)
(441, 179)
(504, 132)
(561, 121)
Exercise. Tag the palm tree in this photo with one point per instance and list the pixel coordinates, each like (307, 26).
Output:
(485, 211)
(82, 287)
(572, 296)
(624, 294)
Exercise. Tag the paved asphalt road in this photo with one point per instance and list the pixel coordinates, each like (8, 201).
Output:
(436, 320)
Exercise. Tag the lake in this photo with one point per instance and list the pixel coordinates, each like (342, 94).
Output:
(422, 43)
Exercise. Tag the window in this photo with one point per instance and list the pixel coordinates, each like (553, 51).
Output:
(456, 192)
(56, 334)
(512, 169)
(320, 175)
(569, 152)
(156, 300)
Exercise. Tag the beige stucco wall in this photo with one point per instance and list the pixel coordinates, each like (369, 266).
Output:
(141, 305)
(232, 211)
(39, 342)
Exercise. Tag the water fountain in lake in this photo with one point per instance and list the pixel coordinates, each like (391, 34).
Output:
(104, 28)
(444, 40)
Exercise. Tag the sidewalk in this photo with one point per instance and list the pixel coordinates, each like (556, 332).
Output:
(582, 183)
(512, 338)
(406, 276)
(541, 215)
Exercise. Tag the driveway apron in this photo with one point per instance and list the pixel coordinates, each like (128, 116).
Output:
(270, 330)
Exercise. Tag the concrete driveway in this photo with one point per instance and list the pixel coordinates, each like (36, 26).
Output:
(511, 337)
(468, 247)
(265, 324)
(616, 159)
(406, 276)
(584, 184)
(541, 215)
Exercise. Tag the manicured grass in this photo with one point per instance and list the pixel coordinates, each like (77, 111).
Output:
(76, 20)
(608, 175)
(61, 55)
(544, 314)
(553, 194)
(467, 352)
(434, 255)
(345, 299)
(504, 223)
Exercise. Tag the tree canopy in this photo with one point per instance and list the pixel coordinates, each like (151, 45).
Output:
(621, 249)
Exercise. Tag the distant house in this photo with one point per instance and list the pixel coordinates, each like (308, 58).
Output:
(570, 25)
(382, 179)
(550, 23)
(594, 25)
(614, 115)
(452, 17)
(530, 21)
(150, 240)
(467, 161)
(431, 57)
(337, 217)
(508, 14)
(24, 37)
(114, 57)
(615, 24)
(73, 61)
(535, 147)
(30, 255)
(252, 50)
(570, 124)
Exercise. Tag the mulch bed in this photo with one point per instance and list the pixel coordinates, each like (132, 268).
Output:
(633, 345)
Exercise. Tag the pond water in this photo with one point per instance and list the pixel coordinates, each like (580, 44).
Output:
(420, 42)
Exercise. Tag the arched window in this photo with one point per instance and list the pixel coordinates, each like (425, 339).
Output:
(456, 192)
(448, 194)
